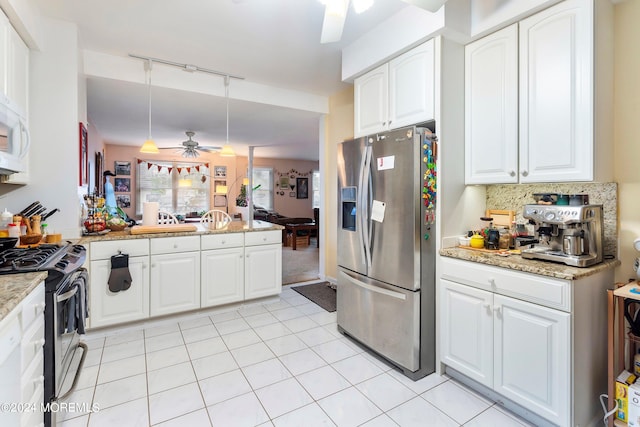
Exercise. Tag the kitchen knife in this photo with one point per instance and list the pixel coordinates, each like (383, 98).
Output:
(33, 211)
(48, 214)
(39, 211)
(29, 208)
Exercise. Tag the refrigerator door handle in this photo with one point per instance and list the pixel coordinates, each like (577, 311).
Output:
(362, 209)
(365, 203)
(376, 289)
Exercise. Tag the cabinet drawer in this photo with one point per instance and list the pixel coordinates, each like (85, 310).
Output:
(262, 238)
(34, 418)
(224, 240)
(169, 245)
(32, 378)
(33, 307)
(554, 293)
(32, 342)
(105, 250)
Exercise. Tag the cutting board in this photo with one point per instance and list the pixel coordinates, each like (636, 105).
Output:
(501, 218)
(162, 228)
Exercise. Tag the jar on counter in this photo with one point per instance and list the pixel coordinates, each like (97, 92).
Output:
(505, 239)
(14, 230)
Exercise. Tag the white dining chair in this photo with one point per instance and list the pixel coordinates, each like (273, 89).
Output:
(216, 217)
(166, 218)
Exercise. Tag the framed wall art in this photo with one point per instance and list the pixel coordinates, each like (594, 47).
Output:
(83, 170)
(123, 201)
(220, 171)
(302, 190)
(122, 185)
(122, 168)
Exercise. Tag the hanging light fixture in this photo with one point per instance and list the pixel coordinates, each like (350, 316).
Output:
(227, 151)
(149, 146)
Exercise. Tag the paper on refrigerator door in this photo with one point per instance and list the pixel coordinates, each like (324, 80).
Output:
(377, 211)
(385, 163)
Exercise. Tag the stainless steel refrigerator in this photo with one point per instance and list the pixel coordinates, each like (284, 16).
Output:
(387, 189)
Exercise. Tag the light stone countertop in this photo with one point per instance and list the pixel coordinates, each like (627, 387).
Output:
(15, 287)
(232, 227)
(516, 262)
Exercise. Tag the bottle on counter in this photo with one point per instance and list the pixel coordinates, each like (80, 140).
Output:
(6, 218)
(14, 230)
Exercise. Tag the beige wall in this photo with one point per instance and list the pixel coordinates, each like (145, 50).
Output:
(284, 204)
(338, 128)
(625, 139)
(132, 153)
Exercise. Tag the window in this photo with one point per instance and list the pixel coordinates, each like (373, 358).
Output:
(183, 191)
(315, 189)
(263, 195)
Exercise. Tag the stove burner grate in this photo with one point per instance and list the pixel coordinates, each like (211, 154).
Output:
(26, 259)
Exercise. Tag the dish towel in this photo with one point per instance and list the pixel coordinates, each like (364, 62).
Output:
(120, 277)
(77, 308)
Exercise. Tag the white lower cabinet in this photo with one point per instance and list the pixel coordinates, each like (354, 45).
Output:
(524, 336)
(174, 275)
(175, 283)
(222, 276)
(109, 308)
(263, 264)
(184, 273)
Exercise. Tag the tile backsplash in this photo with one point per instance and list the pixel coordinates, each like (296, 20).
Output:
(515, 196)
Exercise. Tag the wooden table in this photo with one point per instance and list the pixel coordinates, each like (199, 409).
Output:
(308, 226)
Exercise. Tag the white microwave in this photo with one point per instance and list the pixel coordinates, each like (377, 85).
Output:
(14, 138)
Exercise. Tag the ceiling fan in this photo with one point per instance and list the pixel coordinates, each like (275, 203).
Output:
(335, 13)
(192, 148)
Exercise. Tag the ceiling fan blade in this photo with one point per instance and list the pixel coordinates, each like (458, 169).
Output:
(208, 148)
(430, 5)
(335, 13)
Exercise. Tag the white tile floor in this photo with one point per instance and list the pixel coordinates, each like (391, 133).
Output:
(280, 363)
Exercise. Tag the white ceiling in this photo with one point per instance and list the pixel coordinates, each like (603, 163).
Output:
(269, 42)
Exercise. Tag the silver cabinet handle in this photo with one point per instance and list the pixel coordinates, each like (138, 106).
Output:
(525, 173)
(175, 246)
(512, 173)
(498, 311)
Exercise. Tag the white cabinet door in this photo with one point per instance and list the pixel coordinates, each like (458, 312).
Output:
(109, 308)
(466, 330)
(18, 71)
(531, 356)
(371, 101)
(174, 283)
(4, 50)
(262, 270)
(556, 94)
(491, 108)
(411, 86)
(222, 276)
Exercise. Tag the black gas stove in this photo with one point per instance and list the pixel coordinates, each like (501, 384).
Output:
(58, 260)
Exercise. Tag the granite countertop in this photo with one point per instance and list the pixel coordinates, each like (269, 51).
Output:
(15, 287)
(516, 262)
(232, 227)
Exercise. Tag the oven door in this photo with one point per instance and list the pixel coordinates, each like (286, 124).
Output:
(68, 305)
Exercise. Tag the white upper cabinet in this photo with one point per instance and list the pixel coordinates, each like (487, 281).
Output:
(491, 108)
(556, 94)
(18, 72)
(371, 92)
(411, 86)
(396, 94)
(529, 99)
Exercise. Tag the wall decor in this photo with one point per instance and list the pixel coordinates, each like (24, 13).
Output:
(219, 201)
(302, 191)
(83, 151)
(122, 185)
(99, 170)
(122, 168)
(284, 182)
(220, 171)
(123, 200)
(292, 194)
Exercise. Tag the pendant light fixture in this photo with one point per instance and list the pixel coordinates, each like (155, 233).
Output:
(149, 146)
(227, 151)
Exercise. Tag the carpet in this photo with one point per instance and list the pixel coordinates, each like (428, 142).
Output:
(320, 293)
(300, 265)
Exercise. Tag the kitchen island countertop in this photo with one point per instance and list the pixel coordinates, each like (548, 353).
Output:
(15, 287)
(201, 229)
(516, 262)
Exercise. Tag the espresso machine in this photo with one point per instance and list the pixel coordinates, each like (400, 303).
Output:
(572, 235)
